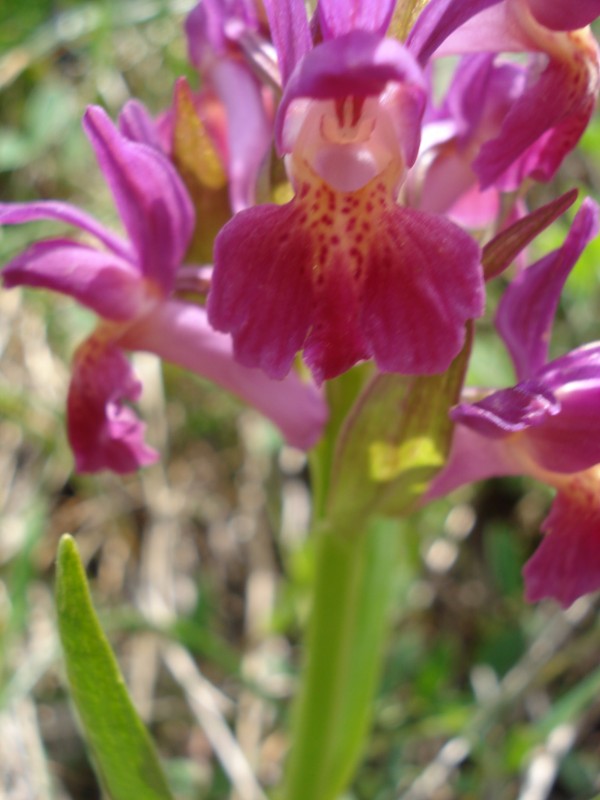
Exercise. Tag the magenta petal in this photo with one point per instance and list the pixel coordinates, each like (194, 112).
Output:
(566, 565)
(137, 125)
(204, 28)
(290, 33)
(151, 198)
(103, 431)
(542, 126)
(438, 20)
(564, 15)
(570, 441)
(249, 130)
(423, 282)
(338, 17)
(100, 280)
(180, 333)
(18, 213)
(335, 342)
(509, 410)
(261, 287)
(472, 458)
(526, 312)
(359, 63)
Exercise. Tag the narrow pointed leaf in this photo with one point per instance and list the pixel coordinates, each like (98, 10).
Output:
(122, 750)
(502, 250)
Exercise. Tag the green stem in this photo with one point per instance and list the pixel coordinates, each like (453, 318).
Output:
(354, 574)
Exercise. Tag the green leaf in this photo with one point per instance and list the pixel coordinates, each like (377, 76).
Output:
(123, 752)
(572, 704)
(395, 439)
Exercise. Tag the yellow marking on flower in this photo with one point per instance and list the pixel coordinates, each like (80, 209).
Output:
(282, 193)
(404, 17)
(193, 151)
(388, 461)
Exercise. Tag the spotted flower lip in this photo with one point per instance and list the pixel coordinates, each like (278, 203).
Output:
(342, 272)
(130, 283)
(546, 121)
(547, 426)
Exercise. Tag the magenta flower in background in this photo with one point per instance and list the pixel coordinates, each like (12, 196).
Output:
(443, 180)
(225, 72)
(343, 272)
(547, 426)
(557, 100)
(129, 283)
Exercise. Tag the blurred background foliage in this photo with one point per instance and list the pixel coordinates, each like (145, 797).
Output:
(482, 697)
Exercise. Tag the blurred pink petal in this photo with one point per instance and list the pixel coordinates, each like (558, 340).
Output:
(102, 281)
(338, 17)
(151, 198)
(180, 333)
(104, 431)
(566, 565)
(527, 309)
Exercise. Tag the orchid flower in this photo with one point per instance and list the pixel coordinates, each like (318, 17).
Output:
(130, 283)
(557, 100)
(473, 109)
(220, 61)
(342, 271)
(547, 426)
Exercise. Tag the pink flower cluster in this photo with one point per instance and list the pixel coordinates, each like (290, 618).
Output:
(375, 255)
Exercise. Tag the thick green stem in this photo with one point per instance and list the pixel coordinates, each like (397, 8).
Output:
(354, 574)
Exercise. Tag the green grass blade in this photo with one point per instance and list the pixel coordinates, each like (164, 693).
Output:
(123, 752)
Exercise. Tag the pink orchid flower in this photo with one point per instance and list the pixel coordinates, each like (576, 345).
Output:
(342, 271)
(547, 426)
(129, 283)
(554, 107)
(473, 109)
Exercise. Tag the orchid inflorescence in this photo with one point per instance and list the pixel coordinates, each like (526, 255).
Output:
(391, 194)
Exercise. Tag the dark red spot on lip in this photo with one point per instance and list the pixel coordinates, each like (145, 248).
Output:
(356, 254)
(351, 224)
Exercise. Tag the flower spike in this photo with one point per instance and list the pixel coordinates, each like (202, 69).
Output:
(342, 271)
